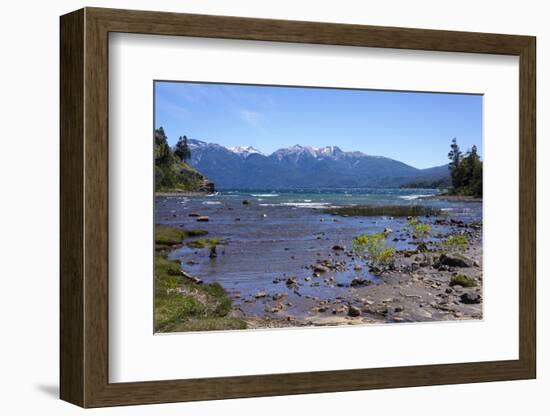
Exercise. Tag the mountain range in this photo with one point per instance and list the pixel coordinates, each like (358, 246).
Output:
(244, 167)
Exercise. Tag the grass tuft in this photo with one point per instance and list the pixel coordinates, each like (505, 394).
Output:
(166, 237)
(205, 242)
(462, 280)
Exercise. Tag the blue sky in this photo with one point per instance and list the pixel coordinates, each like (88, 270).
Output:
(415, 128)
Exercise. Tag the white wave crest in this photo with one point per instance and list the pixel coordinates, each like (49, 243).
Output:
(412, 197)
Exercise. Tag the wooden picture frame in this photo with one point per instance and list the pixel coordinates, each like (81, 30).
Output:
(84, 207)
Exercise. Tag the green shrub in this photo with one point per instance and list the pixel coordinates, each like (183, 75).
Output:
(462, 280)
(419, 230)
(455, 242)
(373, 246)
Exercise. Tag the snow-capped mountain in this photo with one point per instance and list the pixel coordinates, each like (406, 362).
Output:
(302, 166)
(298, 152)
(245, 151)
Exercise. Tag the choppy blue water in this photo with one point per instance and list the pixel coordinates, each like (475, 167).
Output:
(319, 198)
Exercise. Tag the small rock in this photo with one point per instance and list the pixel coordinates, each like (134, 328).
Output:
(358, 281)
(203, 218)
(279, 296)
(338, 247)
(318, 268)
(260, 295)
(291, 282)
(354, 311)
(194, 214)
(246, 202)
(470, 298)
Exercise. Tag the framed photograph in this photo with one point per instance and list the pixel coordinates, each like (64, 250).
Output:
(255, 207)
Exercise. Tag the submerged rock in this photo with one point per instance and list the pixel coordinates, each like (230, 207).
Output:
(319, 268)
(291, 282)
(358, 281)
(279, 296)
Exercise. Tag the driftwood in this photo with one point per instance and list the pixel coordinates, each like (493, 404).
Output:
(194, 279)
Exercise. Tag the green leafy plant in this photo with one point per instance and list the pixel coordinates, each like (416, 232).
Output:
(373, 246)
(455, 242)
(420, 232)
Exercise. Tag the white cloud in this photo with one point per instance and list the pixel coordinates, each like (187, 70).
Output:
(252, 118)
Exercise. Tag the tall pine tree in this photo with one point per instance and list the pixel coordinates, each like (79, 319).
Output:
(182, 149)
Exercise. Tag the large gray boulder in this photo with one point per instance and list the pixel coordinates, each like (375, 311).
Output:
(455, 260)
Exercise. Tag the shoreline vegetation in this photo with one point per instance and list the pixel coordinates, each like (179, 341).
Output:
(182, 301)
(172, 173)
(384, 210)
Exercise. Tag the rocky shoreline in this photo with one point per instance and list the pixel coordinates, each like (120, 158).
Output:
(424, 285)
(282, 266)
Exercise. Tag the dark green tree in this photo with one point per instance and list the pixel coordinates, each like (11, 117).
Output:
(466, 171)
(468, 165)
(472, 167)
(182, 149)
(163, 154)
(477, 181)
(165, 176)
(455, 165)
